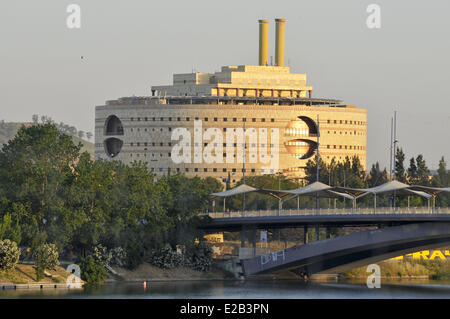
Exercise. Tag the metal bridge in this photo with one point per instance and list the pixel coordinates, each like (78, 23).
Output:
(347, 252)
(400, 231)
(272, 219)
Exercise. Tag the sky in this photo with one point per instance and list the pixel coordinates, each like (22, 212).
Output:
(128, 46)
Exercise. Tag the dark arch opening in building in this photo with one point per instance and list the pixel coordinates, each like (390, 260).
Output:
(113, 146)
(113, 126)
(312, 126)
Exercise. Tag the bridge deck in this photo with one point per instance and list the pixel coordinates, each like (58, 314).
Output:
(297, 218)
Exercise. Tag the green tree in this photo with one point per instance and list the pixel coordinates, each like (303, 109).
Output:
(376, 176)
(412, 172)
(46, 257)
(92, 271)
(187, 199)
(423, 173)
(400, 172)
(34, 167)
(442, 179)
(10, 229)
(9, 254)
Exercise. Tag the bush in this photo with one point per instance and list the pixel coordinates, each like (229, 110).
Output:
(166, 258)
(46, 256)
(199, 259)
(102, 255)
(112, 257)
(9, 254)
(202, 257)
(92, 271)
(118, 257)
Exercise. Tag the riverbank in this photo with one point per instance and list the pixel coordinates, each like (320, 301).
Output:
(147, 272)
(25, 274)
(428, 269)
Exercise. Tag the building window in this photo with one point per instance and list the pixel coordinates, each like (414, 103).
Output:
(234, 119)
(224, 170)
(196, 169)
(225, 119)
(215, 119)
(263, 120)
(272, 120)
(206, 119)
(188, 119)
(233, 170)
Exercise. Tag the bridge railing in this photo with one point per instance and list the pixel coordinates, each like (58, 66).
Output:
(331, 211)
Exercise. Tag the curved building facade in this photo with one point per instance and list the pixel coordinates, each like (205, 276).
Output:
(198, 125)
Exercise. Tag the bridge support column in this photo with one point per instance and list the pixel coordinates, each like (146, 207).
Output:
(317, 230)
(327, 233)
(243, 231)
(253, 240)
(305, 234)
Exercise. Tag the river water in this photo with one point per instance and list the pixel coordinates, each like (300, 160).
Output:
(281, 289)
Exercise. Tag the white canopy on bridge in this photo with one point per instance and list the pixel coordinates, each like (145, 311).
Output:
(392, 186)
(429, 190)
(321, 189)
(241, 189)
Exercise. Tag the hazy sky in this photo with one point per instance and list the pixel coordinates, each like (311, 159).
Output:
(130, 45)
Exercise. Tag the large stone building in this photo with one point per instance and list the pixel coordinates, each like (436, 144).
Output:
(197, 125)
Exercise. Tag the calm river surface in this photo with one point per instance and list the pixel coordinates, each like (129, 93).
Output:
(247, 289)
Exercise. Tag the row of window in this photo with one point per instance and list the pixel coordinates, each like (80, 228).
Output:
(235, 119)
(206, 170)
(354, 147)
(345, 132)
(206, 119)
(214, 155)
(346, 122)
(197, 144)
(350, 147)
